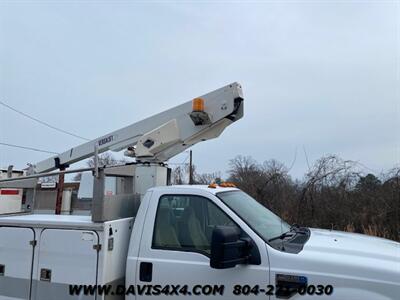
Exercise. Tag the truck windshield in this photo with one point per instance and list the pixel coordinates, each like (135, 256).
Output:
(264, 222)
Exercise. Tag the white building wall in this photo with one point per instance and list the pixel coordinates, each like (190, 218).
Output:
(10, 199)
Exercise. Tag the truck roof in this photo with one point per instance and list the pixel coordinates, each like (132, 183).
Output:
(194, 187)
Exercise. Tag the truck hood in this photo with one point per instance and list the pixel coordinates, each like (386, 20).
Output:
(357, 266)
(354, 255)
(353, 244)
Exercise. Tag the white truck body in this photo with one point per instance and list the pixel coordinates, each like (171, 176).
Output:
(44, 254)
(67, 248)
(147, 240)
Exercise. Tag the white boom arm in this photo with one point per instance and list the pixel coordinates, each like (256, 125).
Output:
(164, 135)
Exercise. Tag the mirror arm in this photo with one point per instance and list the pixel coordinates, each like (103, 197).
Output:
(238, 261)
(240, 243)
(248, 246)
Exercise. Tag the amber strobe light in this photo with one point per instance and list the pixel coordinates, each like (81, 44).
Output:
(198, 104)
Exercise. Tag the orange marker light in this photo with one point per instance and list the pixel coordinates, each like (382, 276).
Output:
(227, 184)
(212, 186)
(198, 104)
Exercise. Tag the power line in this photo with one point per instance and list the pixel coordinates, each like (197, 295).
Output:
(42, 122)
(182, 163)
(185, 159)
(366, 167)
(27, 148)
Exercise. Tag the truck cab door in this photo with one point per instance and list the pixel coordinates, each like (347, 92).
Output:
(174, 256)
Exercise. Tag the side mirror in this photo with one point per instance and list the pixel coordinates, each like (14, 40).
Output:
(228, 249)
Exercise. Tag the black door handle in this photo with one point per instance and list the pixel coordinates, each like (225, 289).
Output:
(146, 271)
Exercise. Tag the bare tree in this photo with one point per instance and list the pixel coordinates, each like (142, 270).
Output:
(180, 175)
(329, 173)
(105, 159)
(207, 178)
(269, 182)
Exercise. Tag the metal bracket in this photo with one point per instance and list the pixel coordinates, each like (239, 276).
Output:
(97, 247)
(111, 244)
(59, 165)
(45, 275)
(200, 118)
(96, 160)
(9, 171)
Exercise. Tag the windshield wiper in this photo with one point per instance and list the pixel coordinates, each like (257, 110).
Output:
(283, 235)
(294, 229)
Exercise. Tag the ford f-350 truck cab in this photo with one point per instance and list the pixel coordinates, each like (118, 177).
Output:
(190, 235)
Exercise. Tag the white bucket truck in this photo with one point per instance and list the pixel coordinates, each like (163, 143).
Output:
(149, 240)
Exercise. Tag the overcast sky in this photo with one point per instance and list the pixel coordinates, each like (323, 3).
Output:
(317, 75)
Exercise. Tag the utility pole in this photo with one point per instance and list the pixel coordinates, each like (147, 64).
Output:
(190, 168)
(60, 190)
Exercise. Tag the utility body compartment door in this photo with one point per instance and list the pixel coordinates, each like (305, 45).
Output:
(66, 257)
(16, 254)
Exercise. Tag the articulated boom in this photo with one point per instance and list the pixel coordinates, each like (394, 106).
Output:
(164, 135)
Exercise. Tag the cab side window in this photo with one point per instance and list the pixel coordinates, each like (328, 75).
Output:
(186, 222)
